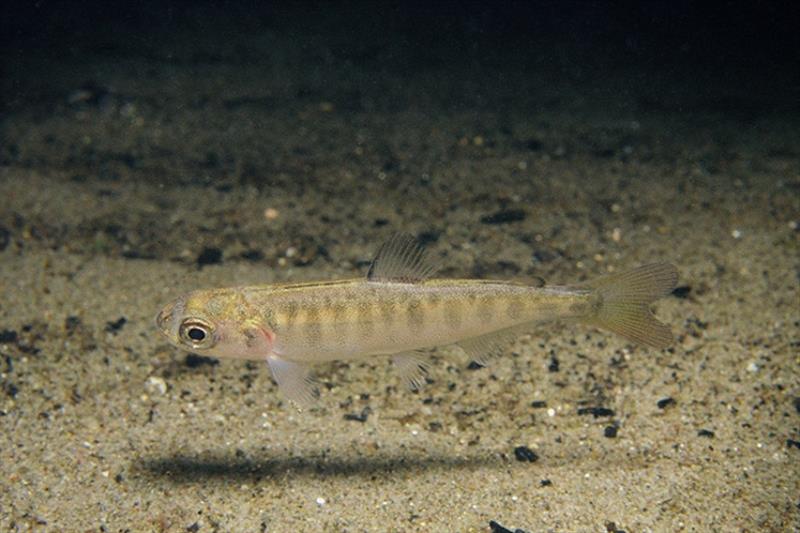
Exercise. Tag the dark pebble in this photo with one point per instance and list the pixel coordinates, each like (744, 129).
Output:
(428, 237)
(682, 291)
(538, 404)
(544, 256)
(194, 528)
(797, 405)
(705, 433)
(596, 411)
(252, 255)
(505, 216)
(534, 145)
(545, 483)
(554, 365)
(380, 222)
(604, 153)
(509, 267)
(610, 432)
(523, 453)
(497, 528)
(209, 256)
(359, 417)
(193, 360)
(8, 335)
(113, 327)
(663, 403)
(5, 238)
(474, 365)
(11, 389)
(611, 527)
(793, 443)
(71, 323)
(137, 254)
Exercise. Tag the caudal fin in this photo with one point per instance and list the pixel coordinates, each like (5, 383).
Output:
(624, 303)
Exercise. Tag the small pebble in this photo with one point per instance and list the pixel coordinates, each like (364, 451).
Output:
(663, 403)
(610, 432)
(113, 327)
(321, 501)
(8, 336)
(498, 528)
(252, 255)
(155, 385)
(793, 443)
(596, 412)
(523, 453)
(209, 256)
(5, 238)
(538, 404)
(504, 217)
(71, 323)
(681, 291)
(271, 213)
(545, 483)
(359, 417)
(736, 234)
(705, 433)
(193, 360)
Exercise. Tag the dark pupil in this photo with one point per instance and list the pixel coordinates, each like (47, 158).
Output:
(196, 334)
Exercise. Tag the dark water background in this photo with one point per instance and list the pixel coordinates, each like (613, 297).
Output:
(379, 102)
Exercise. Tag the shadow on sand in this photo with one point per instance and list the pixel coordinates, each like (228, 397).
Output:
(186, 469)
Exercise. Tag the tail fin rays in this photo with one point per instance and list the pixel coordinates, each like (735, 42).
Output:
(623, 303)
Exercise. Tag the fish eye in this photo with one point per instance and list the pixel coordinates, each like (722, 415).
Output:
(195, 332)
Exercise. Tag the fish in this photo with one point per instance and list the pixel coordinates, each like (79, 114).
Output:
(400, 309)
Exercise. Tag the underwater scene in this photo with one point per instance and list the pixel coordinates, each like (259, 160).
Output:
(399, 266)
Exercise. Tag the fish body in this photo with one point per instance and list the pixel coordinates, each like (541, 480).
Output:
(399, 309)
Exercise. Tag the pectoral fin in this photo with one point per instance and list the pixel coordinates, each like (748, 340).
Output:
(412, 367)
(294, 380)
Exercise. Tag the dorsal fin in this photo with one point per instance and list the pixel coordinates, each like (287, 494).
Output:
(401, 259)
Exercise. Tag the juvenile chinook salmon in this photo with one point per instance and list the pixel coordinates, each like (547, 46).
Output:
(399, 309)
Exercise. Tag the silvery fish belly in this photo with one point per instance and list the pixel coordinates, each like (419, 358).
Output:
(399, 309)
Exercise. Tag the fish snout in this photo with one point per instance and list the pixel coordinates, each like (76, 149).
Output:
(166, 318)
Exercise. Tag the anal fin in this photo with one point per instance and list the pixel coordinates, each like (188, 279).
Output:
(294, 380)
(412, 367)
